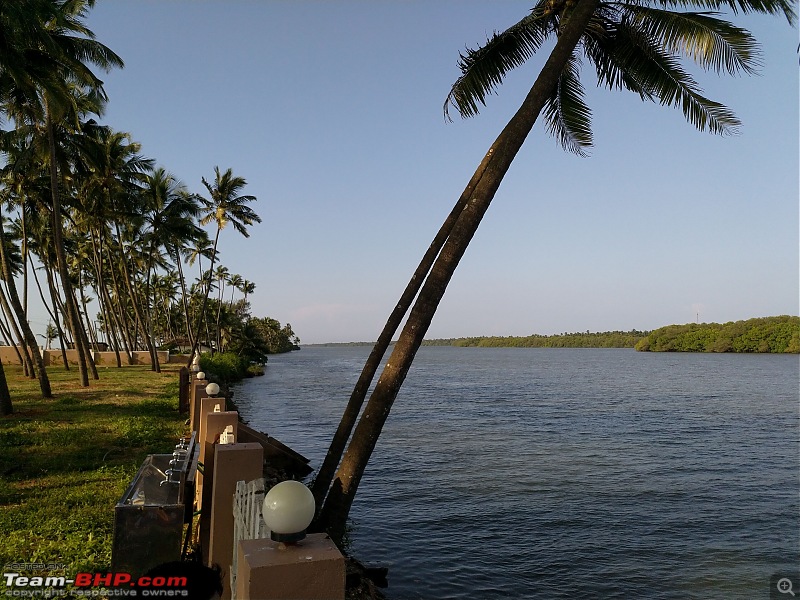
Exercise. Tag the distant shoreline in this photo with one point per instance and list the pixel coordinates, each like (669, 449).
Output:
(776, 335)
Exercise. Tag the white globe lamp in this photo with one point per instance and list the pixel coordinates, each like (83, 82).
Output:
(212, 389)
(288, 511)
(200, 375)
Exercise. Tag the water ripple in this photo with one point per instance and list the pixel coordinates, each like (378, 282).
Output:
(511, 473)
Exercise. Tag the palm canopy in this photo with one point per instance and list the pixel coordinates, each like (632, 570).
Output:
(635, 45)
(226, 205)
(45, 48)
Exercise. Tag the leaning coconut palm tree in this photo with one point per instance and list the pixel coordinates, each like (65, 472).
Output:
(633, 45)
(225, 206)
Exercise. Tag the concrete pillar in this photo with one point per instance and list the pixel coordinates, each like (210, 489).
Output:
(215, 425)
(206, 406)
(311, 570)
(232, 463)
(197, 391)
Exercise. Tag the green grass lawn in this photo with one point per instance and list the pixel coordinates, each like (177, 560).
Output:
(64, 462)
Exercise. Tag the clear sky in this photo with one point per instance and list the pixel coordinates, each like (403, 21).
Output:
(332, 111)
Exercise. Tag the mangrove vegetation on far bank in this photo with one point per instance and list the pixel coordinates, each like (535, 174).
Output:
(766, 335)
(607, 339)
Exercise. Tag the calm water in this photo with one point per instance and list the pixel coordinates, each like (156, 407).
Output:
(538, 473)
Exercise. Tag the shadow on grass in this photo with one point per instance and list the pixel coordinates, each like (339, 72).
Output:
(65, 461)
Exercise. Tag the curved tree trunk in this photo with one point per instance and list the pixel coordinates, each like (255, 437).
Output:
(58, 305)
(102, 295)
(184, 301)
(336, 508)
(84, 338)
(137, 309)
(22, 346)
(73, 322)
(324, 476)
(205, 303)
(30, 339)
(124, 331)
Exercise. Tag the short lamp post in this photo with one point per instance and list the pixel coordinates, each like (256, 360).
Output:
(288, 511)
(284, 569)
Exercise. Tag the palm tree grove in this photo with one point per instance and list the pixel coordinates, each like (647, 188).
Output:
(120, 252)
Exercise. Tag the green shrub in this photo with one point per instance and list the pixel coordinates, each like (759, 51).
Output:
(224, 367)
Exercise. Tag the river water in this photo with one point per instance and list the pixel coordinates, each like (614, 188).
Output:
(562, 473)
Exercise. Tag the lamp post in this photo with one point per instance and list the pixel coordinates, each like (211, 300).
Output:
(288, 510)
(311, 570)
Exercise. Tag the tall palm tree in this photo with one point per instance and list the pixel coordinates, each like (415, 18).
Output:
(633, 45)
(50, 64)
(108, 171)
(170, 214)
(248, 287)
(191, 246)
(224, 207)
(171, 219)
(236, 281)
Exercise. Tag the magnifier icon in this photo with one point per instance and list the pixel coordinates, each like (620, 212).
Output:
(785, 586)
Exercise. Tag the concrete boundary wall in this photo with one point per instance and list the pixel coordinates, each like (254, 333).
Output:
(8, 356)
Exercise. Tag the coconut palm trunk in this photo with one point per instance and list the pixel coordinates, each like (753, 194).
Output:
(58, 307)
(73, 321)
(324, 476)
(493, 167)
(22, 348)
(28, 336)
(6, 406)
(137, 310)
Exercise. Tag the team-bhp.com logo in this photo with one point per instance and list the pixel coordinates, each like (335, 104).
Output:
(94, 584)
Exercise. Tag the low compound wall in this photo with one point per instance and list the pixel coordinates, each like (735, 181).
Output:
(8, 356)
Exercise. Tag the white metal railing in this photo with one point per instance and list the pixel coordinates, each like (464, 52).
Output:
(247, 522)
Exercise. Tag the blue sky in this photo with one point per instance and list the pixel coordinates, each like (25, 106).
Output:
(332, 111)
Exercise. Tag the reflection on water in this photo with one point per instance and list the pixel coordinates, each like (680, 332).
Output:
(536, 473)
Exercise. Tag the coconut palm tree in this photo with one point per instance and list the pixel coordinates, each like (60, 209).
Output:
(109, 172)
(224, 207)
(236, 281)
(171, 219)
(248, 287)
(49, 65)
(633, 45)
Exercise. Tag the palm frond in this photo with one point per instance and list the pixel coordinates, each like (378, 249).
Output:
(634, 61)
(568, 117)
(483, 69)
(711, 42)
(769, 7)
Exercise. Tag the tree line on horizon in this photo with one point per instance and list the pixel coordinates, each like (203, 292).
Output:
(85, 216)
(587, 339)
(763, 334)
